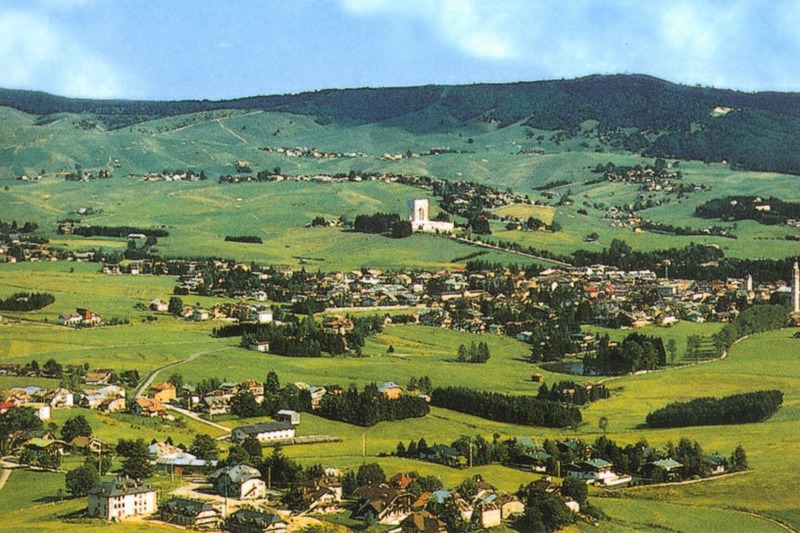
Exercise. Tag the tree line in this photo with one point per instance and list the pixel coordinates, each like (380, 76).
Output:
(742, 408)
(524, 410)
(384, 223)
(244, 238)
(113, 231)
(27, 301)
(368, 407)
(571, 392)
(755, 319)
(636, 352)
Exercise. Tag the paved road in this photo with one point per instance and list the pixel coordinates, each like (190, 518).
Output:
(524, 254)
(6, 471)
(152, 375)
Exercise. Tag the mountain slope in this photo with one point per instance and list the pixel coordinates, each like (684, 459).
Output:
(633, 113)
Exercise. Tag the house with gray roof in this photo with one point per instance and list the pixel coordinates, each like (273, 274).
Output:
(122, 498)
(242, 482)
(264, 432)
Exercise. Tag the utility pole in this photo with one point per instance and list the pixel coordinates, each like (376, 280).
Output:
(364, 444)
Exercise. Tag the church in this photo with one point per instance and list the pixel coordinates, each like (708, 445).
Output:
(418, 216)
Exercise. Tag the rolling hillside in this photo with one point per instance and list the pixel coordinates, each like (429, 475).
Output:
(635, 114)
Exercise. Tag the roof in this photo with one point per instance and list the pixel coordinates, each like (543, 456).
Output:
(182, 459)
(424, 522)
(667, 464)
(265, 427)
(257, 518)
(388, 385)
(120, 487)
(237, 474)
(150, 405)
(186, 507)
(596, 463)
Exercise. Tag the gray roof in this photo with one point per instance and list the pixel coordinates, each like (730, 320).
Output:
(237, 474)
(120, 487)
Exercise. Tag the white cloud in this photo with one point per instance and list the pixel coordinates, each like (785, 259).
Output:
(473, 26)
(36, 53)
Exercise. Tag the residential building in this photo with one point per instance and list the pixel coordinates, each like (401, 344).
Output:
(241, 482)
(264, 432)
(190, 513)
(118, 499)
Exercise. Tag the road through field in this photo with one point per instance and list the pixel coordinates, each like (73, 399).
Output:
(152, 375)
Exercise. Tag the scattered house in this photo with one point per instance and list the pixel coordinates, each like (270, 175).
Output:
(667, 469)
(338, 326)
(487, 514)
(159, 305)
(148, 407)
(391, 390)
(321, 495)
(596, 471)
(510, 506)
(88, 445)
(190, 513)
(48, 446)
(182, 463)
(382, 503)
(241, 482)
(251, 521)
(217, 405)
(98, 376)
(259, 346)
(262, 315)
(118, 499)
(200, 315)
(422, 522)
(112, 405)
(264, 432)
(717, 463)
(445, 455)
(59, 398)
(163, 392)
(287, 415)
(161, 449)
(81, 317)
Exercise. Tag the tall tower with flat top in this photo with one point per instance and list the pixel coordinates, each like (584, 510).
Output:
(796, 288)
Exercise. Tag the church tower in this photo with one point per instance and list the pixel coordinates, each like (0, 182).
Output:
(796, 288)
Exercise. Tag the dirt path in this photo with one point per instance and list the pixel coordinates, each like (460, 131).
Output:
(152, 375)
(226, 128)
(5, 471)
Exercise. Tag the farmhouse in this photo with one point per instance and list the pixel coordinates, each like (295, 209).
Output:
(241, 482)
(190, 513)
(422, 522)
(596, 471)
(251, 520)
(163, 392)
(264, 432)
(119, 499)
(148, 407)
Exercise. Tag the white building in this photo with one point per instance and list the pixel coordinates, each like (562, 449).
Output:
(418, 216)
(265, 432)
(118, 499)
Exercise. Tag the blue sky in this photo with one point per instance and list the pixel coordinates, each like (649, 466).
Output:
(177, 49)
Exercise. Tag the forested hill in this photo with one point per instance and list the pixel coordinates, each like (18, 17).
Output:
(642, 114)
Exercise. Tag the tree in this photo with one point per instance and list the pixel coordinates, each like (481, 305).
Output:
(13, 424)
(349, 484)
(603, 423)
(137, 467)
(244, 405)
(176, 379)
(253, 447)
(273, 384)
(672, 348)
(175, 305)
(575, 488)
(204, 446)
(738, 459)
(75, 427)
(370, 473)
(54, 369)
(81, 480)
